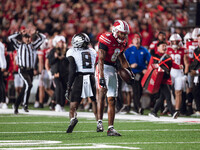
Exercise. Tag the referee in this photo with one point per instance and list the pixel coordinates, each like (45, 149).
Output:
(3, 65)
(26, 54)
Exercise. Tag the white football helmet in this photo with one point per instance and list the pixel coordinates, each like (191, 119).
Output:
(187, 37)
(80, 40)
(175, 41)
(195, 32)
(120, 26)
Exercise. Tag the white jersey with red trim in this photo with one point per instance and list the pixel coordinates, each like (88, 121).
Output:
(44, 54)
(190, 46)
(177, 55)
(114, 48)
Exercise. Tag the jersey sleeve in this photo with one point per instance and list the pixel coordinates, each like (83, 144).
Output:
(104, 39)
(69, 52)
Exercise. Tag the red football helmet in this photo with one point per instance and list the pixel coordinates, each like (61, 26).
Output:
(120, 30)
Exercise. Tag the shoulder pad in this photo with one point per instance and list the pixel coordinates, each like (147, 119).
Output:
(105, 38)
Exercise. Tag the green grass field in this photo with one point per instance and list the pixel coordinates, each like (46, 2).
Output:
(26, 132)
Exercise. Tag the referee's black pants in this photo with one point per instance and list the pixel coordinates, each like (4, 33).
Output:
(60, 89)
(137, 91)
(2, 88)
(27, 77)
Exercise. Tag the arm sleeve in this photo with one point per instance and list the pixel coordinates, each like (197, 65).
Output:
(38, 42)
(13, 39)
(72, 71)
(103, 46)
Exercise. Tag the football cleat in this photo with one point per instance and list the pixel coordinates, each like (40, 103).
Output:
(72, 124)
(15, 110)
(25, 108)
(112, 132)
(154, 115)
(176, 114)
(100, 126)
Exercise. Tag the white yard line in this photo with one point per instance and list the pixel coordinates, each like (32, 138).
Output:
(118, 116)
(146, 130)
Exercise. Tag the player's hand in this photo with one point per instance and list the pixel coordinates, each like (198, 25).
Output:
(134, 65)
(67, 94)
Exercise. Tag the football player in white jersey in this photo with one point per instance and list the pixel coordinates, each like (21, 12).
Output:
(81, 83)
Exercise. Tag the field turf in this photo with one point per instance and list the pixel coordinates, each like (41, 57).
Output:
(27, 132)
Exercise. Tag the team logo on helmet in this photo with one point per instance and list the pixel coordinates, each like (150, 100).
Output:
(80, 40)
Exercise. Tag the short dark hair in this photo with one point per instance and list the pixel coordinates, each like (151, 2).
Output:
(161, 32)
(26, 35)
(161, 42)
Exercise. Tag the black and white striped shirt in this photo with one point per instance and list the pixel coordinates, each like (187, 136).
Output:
(26, 53)
(3, 62)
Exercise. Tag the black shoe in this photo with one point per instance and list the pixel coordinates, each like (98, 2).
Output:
(41, 105)
(141, 111)
(112, 132)
(15, 110)
(25, 108)
(52, 106)
(189, 110)
(72, 124)
(154, 115)
(176, 114)
(100, 126)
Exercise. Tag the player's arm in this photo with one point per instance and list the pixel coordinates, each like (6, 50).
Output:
(186, 63)
(40, 59)
(124, 63)
(72, 71)
(102, 54)
(71, 76)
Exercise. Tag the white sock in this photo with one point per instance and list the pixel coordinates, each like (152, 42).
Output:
(110, 127)
(99, 121)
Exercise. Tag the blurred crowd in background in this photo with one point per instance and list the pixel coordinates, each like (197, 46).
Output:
(93, 17)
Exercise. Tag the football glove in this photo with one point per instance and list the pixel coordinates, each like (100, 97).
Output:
(67, 93)
(102, 82)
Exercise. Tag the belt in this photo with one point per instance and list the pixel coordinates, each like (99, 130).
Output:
(85, 73)
(24, 68)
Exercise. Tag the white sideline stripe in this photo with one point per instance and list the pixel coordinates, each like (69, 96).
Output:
(117, 116)
(61, 122)
(147, 130)
(75, 147)
(128, 143)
